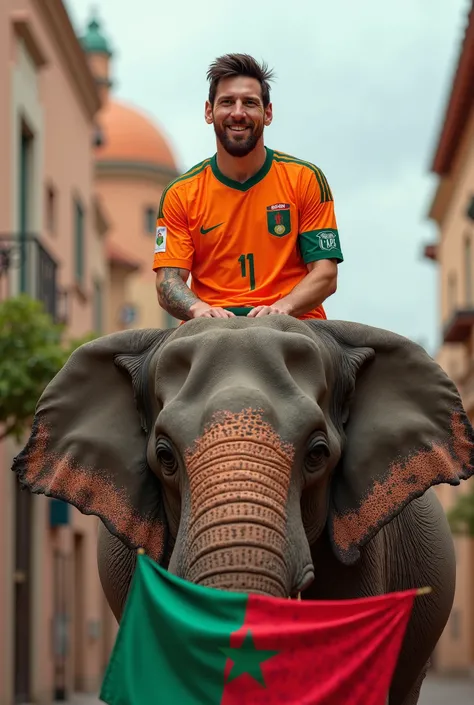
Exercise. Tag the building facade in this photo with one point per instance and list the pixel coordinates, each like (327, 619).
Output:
(452, 210)
(68, 194)
(133, 164)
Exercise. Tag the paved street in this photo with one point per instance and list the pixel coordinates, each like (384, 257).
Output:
(439, 691)
(82, 700)
(435, 691)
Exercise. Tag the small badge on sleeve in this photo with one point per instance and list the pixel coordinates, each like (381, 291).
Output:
(160, 241)
(328, 240)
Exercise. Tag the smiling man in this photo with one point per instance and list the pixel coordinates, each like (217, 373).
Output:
(254, 227)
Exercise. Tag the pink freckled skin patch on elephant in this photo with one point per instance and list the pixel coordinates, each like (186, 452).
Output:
(46, 472)
(462, 444)
(238, 445)
(406, 479)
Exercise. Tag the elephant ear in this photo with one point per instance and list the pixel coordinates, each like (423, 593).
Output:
(88, 440)
(406, 431)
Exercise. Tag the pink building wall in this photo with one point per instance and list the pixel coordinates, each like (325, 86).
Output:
(127, 197)
(6, 52)
(47, 85)
(45, 82)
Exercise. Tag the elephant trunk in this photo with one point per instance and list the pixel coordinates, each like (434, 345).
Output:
(237, 540)
(239, 476)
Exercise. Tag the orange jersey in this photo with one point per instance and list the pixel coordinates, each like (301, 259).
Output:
(247, 244)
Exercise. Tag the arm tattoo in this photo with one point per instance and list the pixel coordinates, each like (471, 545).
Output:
(174, 295)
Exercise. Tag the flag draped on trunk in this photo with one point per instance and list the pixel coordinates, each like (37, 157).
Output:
(184, 644)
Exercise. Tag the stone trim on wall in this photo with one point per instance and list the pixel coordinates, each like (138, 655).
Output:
(26, 107)
(139, 170)
(58, 23)
(24, 29)
(458, 107)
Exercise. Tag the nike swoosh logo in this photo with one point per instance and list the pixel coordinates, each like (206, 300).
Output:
(204, 231)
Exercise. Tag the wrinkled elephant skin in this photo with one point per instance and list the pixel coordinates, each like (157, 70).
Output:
(266, 455)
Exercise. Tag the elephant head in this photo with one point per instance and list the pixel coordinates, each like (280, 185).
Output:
(225, 447)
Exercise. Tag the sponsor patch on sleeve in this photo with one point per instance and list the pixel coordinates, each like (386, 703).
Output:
(328, 240)
(160, 240)
(320, 244)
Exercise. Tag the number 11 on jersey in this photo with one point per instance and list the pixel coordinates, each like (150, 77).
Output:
(243, 259)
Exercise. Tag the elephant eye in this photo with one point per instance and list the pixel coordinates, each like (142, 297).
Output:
(317, 454)
(166, 456)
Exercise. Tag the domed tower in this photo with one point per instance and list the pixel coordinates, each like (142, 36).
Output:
(99, 53)
(134, 163)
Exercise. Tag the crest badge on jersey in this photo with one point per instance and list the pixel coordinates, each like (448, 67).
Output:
(279, 219)
(160, 240)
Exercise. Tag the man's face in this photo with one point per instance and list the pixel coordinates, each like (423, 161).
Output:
(238, 114)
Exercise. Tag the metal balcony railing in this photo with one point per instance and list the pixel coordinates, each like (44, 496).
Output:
(458, 328)
(470, 208)
(26, 267)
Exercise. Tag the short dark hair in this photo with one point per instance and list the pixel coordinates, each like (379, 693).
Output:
(239, 65)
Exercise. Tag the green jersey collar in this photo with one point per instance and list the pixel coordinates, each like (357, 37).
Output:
(261, 173)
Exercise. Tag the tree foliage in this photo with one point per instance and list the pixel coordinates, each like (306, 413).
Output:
(461, 516)
(32, 351)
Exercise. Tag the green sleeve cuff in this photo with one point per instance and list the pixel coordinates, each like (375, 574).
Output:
(320, 244)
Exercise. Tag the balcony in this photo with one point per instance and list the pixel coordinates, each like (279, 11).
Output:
(431, 252)
(470, 209)
(459, 327)
(27, 267)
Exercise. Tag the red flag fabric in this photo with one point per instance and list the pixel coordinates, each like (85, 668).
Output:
(316, 653)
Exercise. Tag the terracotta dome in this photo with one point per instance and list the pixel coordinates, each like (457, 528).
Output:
(130, 136)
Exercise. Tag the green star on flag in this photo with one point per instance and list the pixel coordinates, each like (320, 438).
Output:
(247, 659)
(184, 644)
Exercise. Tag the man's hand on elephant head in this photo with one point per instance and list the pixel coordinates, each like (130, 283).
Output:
(277, 307)
(203, 310)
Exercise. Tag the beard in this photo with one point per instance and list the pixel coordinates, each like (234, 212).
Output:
(238, 145)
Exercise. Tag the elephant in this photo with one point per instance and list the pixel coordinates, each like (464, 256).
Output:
(270, 455)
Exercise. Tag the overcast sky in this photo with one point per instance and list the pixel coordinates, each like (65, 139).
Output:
(361, 90)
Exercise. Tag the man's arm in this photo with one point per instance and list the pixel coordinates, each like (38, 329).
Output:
(312, 291)
(176, 297)
(172, 262)
(320, 249)
(173, 293)
(319, 284)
